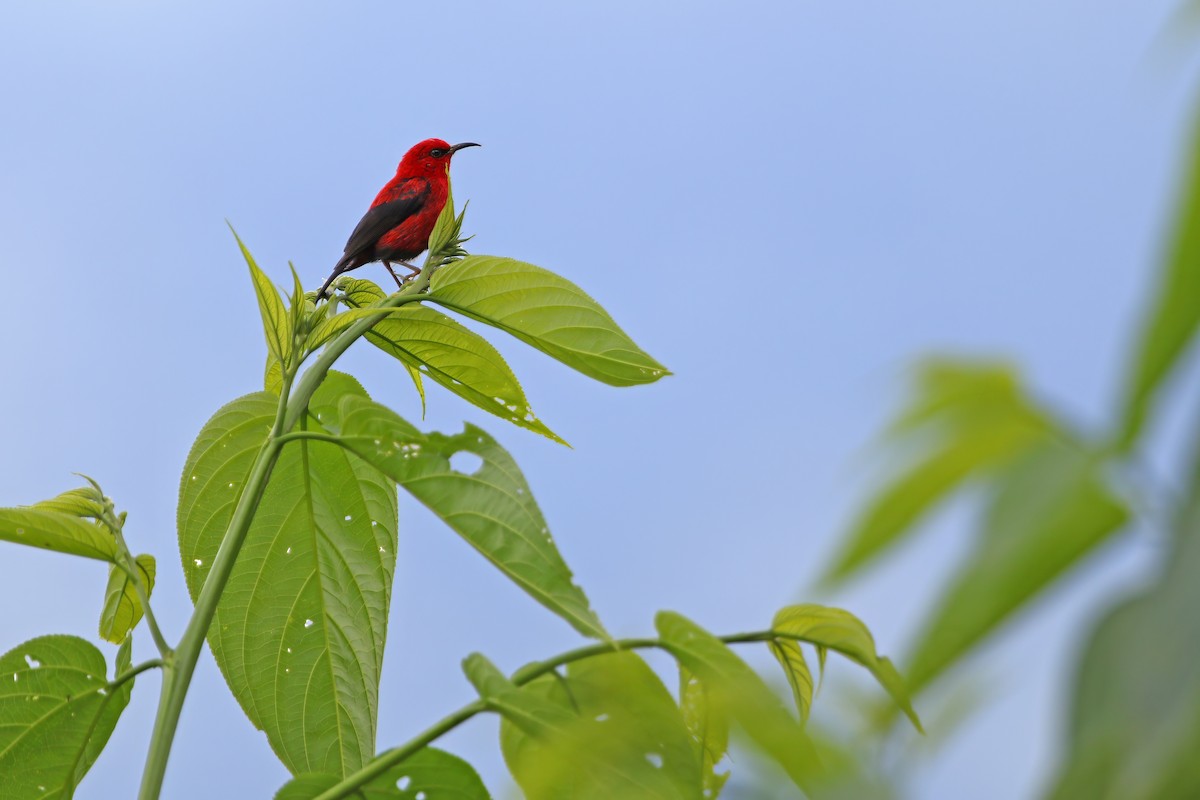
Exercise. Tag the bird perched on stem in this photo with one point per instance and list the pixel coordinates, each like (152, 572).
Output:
(396, 227)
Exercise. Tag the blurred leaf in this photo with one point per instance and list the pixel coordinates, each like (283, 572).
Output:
(708, 725)
(742, 692)
(58, 531)
(587, 743)
(1170, 323)
(1135, 716)
(841, 631)
(300, 629)
(547, 312)
(491, 507)
(1135, 721)
(971, 418)
(427, 774)
(122, 607)
(275, 317)
(452, 355)
(623, 715)
(1051, 509)
(86, 501)
(56, 714)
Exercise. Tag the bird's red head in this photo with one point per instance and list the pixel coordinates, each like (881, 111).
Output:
(430, 157)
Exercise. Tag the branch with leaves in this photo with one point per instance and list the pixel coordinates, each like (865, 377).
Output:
(288, 518)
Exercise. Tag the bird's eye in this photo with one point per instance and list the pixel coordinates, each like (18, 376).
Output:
(437, 152)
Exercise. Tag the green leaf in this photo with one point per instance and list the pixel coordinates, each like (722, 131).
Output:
(972, 418)
(547, 312)
(445, 242)
(789, 655)
(1135, 717)
(330, 327)
(122, 606)
(1051, 510)
(491, 507)
(418, 384)
(742, 692)
(300, 630)
(58, 531)
(708, 725)
(296, 308)
(1169, 325)
(85, 501)
(273, 376)
(451, 355)
(583, 740)
(624, 716)
(56, 714)
(429, 773)
(842, 632)
(277, 324)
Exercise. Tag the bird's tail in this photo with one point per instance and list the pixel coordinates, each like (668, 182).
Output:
(344, 265)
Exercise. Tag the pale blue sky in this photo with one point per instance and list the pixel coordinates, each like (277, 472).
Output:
(784, 202)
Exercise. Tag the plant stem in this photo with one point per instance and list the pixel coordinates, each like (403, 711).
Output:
(178, 676)
(129, 566)
(524, 675)
(314, 375)
(133, 672)
(393, 757)
(178, 669)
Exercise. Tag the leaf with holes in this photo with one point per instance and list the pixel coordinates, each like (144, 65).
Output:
(429, 774)
(491, 507)
(300, 630)
(56, 714)
(57, 531)
(122, 606)
(743, 693)
(449, 354)
(842, 632)
(547, 312)
(623, 715)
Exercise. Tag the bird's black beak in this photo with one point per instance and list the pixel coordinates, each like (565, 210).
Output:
(458, 147)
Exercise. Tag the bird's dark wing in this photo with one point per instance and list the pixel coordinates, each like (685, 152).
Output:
(409, 199)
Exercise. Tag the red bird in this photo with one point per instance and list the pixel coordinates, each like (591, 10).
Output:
(397, 225)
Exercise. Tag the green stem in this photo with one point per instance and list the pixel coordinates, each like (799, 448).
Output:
(133, 672)
(314, 375)
(524, 675)
(128, 564)
(178, 676)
